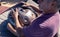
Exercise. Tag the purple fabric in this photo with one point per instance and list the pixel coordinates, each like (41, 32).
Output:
(43, 26)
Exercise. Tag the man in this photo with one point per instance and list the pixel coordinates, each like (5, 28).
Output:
(29, 15)
(45, 25)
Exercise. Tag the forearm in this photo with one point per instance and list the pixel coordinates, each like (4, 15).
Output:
(11, 29)
(35, 8)
(17, 23)
(19, 28)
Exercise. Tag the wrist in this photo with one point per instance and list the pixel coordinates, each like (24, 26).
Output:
(16, 18)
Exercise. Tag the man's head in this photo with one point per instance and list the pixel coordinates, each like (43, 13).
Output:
(47, 5)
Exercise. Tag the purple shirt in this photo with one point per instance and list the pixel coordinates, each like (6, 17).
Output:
(43, 26)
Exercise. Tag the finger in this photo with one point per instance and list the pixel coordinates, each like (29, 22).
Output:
(17, 10)
(13, 10)
(22, 2)
(25, 5)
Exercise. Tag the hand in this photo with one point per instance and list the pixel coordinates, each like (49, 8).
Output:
(15, 13)
(27, 4)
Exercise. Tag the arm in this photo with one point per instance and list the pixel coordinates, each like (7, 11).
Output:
(18, 25)
(11, 29)
(15, 13)
(35, 8)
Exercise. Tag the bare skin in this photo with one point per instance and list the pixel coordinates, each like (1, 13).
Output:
(35, 8)
(51, 8)
(10, 27)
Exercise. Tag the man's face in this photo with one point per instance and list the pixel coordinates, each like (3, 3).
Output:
(45, 5)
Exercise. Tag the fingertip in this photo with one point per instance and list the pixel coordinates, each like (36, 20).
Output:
(16, 9)
(13, 10)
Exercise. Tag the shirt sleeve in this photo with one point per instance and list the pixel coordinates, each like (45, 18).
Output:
(47, 30)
